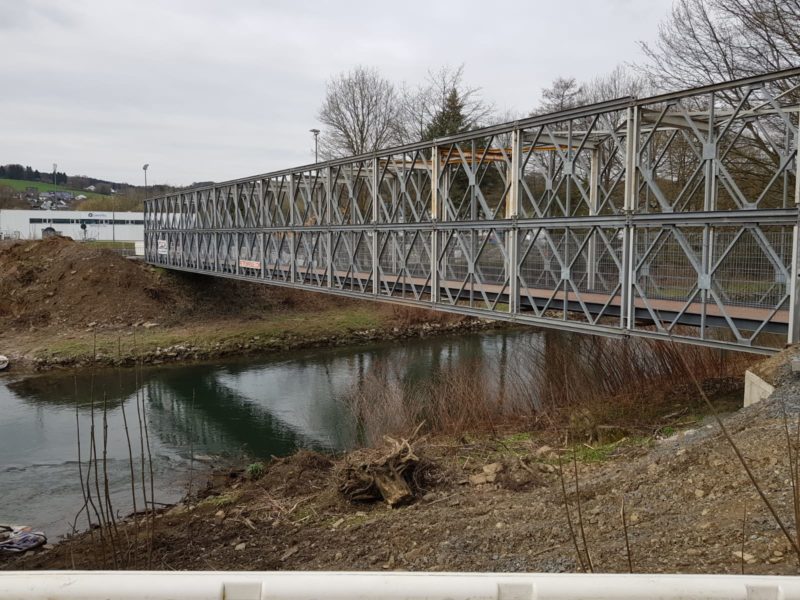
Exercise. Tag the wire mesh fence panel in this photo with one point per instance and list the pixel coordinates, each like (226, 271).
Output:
(404, 187)
(405, 264)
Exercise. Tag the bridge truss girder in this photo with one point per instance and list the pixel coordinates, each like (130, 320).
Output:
(669, 217)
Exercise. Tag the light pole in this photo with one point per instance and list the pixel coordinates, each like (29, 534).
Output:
(144, 168)
(316, 144)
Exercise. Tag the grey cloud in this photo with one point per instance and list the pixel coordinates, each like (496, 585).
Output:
(208, 89)
(30, 15)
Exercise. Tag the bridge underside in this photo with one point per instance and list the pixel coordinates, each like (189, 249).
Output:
(671, 217)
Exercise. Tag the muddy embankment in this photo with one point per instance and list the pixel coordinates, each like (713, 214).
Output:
(67, 304)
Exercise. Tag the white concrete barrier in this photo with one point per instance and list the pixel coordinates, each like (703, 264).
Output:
(755, 388)
(144, 585)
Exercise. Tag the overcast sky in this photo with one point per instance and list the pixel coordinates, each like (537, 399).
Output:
(215, 90)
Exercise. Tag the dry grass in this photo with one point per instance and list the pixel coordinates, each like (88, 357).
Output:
(582, 387)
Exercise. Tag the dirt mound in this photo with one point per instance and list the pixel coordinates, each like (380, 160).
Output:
(61, 282)
(296, 474)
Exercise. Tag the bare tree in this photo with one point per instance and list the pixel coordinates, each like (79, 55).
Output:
(706, 41)
(563, 93)
(772, 28)
(360, 113)
(622, 81)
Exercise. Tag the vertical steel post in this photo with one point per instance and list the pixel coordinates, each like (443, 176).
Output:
(512, 213)
(709, 204)
(260, 223)
(594, 192)
(238, 223)
(436, 211)
(185, 223)
(146, 228)
(291, 234)
(376, 284)
(793, 336)
(215, 224)
(329, 222)
(629, 234)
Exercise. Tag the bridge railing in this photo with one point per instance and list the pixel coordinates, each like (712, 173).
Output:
(673, 216)
(157, 585)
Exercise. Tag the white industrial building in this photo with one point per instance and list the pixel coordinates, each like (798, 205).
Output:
(105, 226)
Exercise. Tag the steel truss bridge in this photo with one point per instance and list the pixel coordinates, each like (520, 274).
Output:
(674, 216)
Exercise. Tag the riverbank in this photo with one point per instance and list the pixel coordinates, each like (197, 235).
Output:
(224, 338)
(74, 305)
(497, 503)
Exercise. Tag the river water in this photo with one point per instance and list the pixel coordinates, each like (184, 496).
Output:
(226, 412)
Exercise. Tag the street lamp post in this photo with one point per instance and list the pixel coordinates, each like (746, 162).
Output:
(144, 168)
(316, 144)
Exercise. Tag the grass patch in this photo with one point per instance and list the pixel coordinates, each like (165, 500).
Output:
(274, 331)
(517, 438)
(220, 501)
(667, 431)
(586, 453)
(255, 470)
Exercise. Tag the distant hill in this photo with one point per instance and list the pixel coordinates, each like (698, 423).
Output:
(19, 185)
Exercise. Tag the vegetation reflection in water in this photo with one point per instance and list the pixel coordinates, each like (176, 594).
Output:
(328, 400)
(240, 410)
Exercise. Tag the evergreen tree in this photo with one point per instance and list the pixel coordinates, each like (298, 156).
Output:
(15, 171)
(450, 120)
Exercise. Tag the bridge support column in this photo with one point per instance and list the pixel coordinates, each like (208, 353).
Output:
(376, 263)
(238, 238)
(290, 234)
(512, 212)
(594, 192)
(435, 216)
(627, 277)
(710, 155)
(794, 271)
(261, 222)
(794, 302)
(329, 219)
(215, 223)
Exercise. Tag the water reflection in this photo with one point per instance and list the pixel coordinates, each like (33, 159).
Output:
(253, 409)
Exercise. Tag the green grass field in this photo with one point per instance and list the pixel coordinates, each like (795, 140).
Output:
(20, 186)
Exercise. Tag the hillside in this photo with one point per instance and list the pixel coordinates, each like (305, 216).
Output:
(19, 185)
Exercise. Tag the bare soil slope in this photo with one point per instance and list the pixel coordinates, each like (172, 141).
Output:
(67, 304)
(59, 281)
